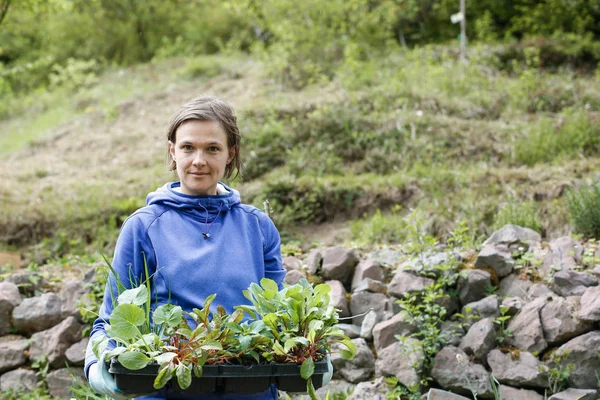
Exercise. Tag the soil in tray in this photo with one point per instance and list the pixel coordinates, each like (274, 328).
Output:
(222, 378)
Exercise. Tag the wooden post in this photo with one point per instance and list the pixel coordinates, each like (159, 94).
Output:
(463, 32)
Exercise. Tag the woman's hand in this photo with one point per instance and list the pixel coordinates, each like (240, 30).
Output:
(103, 381)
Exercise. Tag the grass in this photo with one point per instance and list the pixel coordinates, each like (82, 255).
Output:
(414, 129)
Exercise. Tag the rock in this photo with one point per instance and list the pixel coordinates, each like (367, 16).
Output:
(9, 299)
(575, 394)
(370, 390)
(350, 330)
(19, 380)
(367, 269)
(428, 261)
(61, 379)
(293, 276)
(540, 290)
(524, 371)
(333, 387)
(360, 368)
(361, 302)
(371, 285)
(513, 304)
(452, 332)
(572, 283)
(565, 253)
(76, 353)
(291, 263)
(510, 393)
(526, 328)
(560, 322)
(495, 257)
(402, 361)
(366, 328)
(338, 264)
(55, 341)
(513, 237)
(451, 304)
(590, 304)
(338, 297)
(37, 313)
(313, 262)
(514, 286)
(387, 257)
(480, 339)
(385, 332)
(448, 373)
(405, 282)
(582, 353)
(12, 353)
(27, 282)
(473, 285)
(72, 292)
(437, 394)
(484, 308)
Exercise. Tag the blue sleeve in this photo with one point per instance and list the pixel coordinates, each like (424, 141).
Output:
(133, 246)
(271, 250)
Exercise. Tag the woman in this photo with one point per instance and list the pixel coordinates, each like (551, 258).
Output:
(195, 235)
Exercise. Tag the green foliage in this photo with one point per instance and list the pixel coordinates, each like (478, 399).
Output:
(558, 372)
(524, 214)
(583, 204)
(205, 66)
(501, 321)
(295, 324)
(303, 42)
(380, 228)
(576, 135)
(398, 391)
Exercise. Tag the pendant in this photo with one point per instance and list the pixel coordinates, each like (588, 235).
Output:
(206, 235)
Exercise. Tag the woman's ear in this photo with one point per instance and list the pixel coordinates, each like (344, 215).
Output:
(232, 152)
(172, 150)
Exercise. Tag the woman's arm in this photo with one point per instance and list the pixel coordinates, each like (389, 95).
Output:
(133, 248)
(271, 250)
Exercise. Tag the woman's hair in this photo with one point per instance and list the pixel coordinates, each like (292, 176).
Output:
(209, 108)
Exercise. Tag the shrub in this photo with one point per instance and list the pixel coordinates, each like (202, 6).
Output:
(380, 228)
(525, 214)
(575, 136)
(584, 210)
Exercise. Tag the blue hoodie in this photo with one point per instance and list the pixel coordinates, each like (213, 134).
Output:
(195, 246)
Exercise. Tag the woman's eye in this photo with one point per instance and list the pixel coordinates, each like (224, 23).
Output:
(213, 149)
(187, 147)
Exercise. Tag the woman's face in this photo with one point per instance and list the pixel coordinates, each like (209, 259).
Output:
(201, 154)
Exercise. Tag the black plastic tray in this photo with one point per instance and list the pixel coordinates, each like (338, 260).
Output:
(222, 378)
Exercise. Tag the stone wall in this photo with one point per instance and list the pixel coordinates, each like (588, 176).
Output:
(549, 290)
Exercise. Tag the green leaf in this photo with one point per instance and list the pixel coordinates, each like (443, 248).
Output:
(198, 370)
(115, 352)
(125, 319)
(269, 284)
(137, 296)
(288, 345)
(165, 357)
(165, 372)
(133, 360)
(184, 376)
(211, 345)
(278, 349)
(307, 368)
(99, 345)
(168, 314)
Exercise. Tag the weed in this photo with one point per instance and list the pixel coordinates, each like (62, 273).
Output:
(583, 204)
(380, 228)
(524, 214)
(558, 373)
(501, 321)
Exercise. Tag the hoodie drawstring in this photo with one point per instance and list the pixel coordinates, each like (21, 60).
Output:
(207, 233)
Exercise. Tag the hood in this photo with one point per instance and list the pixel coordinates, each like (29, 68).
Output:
(202, 207)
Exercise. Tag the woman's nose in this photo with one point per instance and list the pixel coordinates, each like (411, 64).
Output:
(199, 158)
